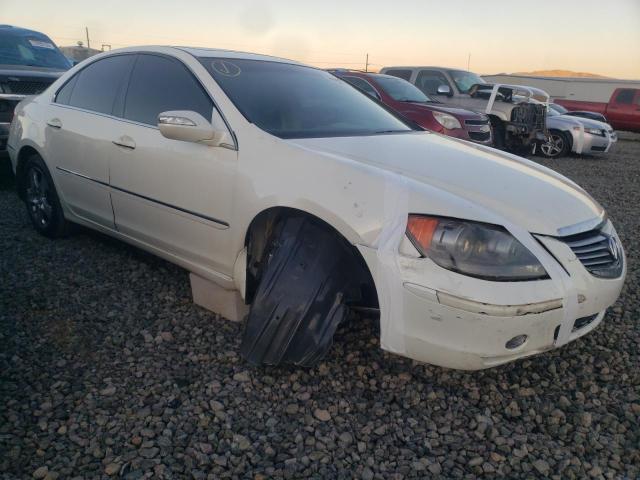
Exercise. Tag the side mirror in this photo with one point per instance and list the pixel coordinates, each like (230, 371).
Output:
(188, 126)
(444, 90)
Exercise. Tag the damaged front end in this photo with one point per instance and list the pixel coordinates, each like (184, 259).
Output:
(526, 124)
(302, 278)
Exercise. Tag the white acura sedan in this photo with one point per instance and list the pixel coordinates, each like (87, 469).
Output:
(284, 183)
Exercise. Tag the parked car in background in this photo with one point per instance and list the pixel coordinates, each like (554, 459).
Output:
(29, 63)
(517, 121)
(410, 102)
(576, 134)
(285, 184)
(622, 110)
(559, 109)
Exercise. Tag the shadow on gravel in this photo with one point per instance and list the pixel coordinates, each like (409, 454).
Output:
(7, 179)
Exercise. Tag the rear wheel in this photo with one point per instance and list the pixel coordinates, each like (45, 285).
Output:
(556, 146)
(41, 199)
(499, 132)
(309, 277)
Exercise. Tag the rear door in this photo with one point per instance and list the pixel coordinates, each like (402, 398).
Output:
(78, 136)
(624, 110)
(171, 194)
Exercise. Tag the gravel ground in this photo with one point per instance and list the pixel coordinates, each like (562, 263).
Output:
(108, 369)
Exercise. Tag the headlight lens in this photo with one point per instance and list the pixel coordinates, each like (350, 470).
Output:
(592, 131)
(447, 121)
(474, 249)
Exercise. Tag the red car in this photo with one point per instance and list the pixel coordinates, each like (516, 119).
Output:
(412, 103)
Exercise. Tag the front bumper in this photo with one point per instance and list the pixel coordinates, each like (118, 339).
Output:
(8, 103)
(464, 323)
(4, 135)
(584, 142)
(477, 133)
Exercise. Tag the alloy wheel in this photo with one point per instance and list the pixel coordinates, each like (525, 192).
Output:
(39, 198)
(554, 146)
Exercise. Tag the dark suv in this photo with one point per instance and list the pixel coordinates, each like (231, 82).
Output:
(407, 100)
(29, 63)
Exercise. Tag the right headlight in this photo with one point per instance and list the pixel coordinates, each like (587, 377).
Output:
(475, 249)
(447, 121)
(593, 131)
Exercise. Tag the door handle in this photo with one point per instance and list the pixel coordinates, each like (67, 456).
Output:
(55, 123)
(125, 141)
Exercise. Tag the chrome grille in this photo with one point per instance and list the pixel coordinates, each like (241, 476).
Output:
(599, 252)
(26, 87)
(480, 136)
(529, 114)
(483, 121)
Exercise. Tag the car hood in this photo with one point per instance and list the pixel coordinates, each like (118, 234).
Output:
(518, 190)
(456, 112)
(571, 120)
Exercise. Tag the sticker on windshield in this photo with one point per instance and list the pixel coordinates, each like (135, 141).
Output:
(228, 69)
(41, 44)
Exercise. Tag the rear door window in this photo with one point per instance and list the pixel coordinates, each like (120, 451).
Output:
(400, 73)
(159, 84)
(363, 85)
(97, 86)
(429, 80)
(625, 96)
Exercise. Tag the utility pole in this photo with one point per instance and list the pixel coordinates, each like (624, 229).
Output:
(468, 62)
(86, 29)
(366, 64)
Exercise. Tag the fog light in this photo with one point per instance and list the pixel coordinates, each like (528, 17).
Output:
(516, 341)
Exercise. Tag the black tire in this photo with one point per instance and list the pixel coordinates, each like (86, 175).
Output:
(41, 199)
(302, 294)
(557, 146)
(498, 133)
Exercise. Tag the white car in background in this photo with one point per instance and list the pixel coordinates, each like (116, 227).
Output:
(290, 186)
(568, 133)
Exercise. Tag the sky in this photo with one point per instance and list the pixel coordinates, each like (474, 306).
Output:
(595, 36)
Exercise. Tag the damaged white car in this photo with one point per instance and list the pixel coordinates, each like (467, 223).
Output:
(290, 186)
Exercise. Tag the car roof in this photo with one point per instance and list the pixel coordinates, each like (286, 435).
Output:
(221, 53)
(22, 32)
(358, 73)
(203, 52)
(423, 67)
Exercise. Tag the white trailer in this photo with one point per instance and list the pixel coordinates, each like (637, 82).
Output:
(568, 88)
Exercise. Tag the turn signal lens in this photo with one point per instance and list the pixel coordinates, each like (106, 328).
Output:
(421, 228)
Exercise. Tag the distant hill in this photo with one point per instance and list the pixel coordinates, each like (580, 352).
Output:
(559, 73)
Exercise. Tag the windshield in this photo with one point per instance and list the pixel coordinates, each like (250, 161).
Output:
(401, 90)
(464, 80)
(31, 50)
(557, 108)
(294, 101)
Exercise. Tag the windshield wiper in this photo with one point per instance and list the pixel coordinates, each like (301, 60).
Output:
(390, 131)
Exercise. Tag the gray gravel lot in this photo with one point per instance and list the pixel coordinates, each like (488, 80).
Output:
(108, 369)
